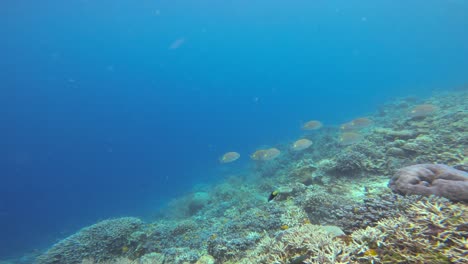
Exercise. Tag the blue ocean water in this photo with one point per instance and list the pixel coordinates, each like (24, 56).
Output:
(112, 108)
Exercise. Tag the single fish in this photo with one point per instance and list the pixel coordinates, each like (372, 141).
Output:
(273, 194)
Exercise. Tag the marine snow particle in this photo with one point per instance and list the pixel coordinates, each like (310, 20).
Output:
(177, 43)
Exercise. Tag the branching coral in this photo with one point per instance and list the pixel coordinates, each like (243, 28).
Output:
(433, 231)
(310, 242)
(113, 261)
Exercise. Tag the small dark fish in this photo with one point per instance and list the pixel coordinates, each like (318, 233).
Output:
(273, 194)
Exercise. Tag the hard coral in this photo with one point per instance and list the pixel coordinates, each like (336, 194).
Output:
(302, 171)
(374, 208)
(433, 231)
(101, 242)
(309, 244)
(431, 179)
(348, 162)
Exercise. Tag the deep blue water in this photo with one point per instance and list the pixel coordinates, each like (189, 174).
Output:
(102, 118)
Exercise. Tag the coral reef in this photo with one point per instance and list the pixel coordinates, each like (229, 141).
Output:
(349, 163)
(333, 206)
(309, 243)
(302, 171)
(431, 179)
(100, 242)
(433, 231)
(198, 201)
(374, 208)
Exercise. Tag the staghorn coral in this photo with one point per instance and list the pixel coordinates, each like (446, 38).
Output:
(431, 179)
(113, 261)
(310, 243)
(432, 231)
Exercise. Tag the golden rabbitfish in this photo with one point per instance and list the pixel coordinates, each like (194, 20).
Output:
(348, 138)
(347, 126)
(271, 153)
(265, 154)
(301, 144)
(312, 125)
(229, 157)
(357, 123)
(258, 155)
(361, 122)
(423, 110)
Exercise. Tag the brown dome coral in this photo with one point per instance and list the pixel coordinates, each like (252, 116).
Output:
(431, 179)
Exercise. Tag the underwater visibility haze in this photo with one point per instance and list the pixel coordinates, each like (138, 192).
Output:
(114, 108)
